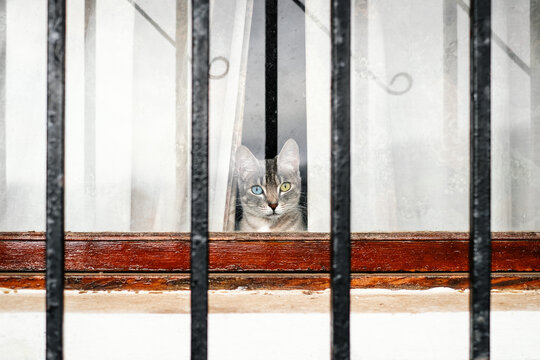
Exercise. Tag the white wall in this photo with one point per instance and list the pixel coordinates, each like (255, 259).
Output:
(163, 333)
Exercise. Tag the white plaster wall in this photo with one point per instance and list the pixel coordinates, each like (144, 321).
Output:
(516, 335)
(294, 335)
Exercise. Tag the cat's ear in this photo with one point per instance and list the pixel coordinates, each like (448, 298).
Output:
(289, 156)
(246, 162)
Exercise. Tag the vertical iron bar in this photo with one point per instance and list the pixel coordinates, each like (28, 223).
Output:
(340, 172)
(480, 182)
(199, 180)
(56, 41)
(271, 78)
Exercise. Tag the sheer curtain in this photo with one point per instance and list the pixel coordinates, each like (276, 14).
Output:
(127, 113)
(230, 32)
(410, 156)
(318, 113)
(515, 116)
(410, 116)
(22, 120)
(120, 116)
(128, 120)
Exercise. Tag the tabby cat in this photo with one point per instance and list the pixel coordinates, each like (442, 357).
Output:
(269, 190)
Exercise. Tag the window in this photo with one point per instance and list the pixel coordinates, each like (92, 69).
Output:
(119, 245)
(128, 142)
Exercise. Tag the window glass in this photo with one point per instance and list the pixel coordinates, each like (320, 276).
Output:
(515, 115)
(410, 111)
(126, 123)
(23, 99)
(128, 118)
(410, 128)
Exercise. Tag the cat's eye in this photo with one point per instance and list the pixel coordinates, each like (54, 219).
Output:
(257, 190)
(286, 186)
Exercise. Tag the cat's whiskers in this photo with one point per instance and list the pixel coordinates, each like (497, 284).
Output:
(258, 209)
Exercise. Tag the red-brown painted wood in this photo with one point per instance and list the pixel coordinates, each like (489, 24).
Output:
(298, 252)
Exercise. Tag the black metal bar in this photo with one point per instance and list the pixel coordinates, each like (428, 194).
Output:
(56, 40)
(480, 182)
(271, 78)
(340, 172)
(501, 44)
(199, 180)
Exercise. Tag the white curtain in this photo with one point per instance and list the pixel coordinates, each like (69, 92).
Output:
(127, 151)
(230, 34)
(516, 179)
(24, 127)
(410, 167)
(127, 160)
(318, 113)
(127, 113)
(410, 117)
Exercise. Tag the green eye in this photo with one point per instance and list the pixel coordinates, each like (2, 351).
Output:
(257, 190)
(286, 186)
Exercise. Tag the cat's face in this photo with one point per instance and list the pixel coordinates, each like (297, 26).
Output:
(269, 188)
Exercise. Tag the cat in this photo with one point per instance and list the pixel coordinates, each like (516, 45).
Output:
(269, 190)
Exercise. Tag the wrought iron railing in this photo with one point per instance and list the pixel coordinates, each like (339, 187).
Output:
(480, 236)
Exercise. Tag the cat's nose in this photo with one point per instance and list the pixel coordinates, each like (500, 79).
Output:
(273, 206)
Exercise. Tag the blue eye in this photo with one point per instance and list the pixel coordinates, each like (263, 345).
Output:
(257, 190)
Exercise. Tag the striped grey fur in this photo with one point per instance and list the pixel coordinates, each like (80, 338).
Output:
(270, 174)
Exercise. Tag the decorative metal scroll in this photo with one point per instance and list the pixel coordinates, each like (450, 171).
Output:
(171, 41)
(361, 59)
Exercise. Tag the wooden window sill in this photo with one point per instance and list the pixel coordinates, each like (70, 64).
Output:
(147, 261)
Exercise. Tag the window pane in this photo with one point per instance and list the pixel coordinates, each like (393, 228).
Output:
(410, 116)
(515, 115)
(128, 113)
(254, 211)
(23, 97)
(126, 117)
